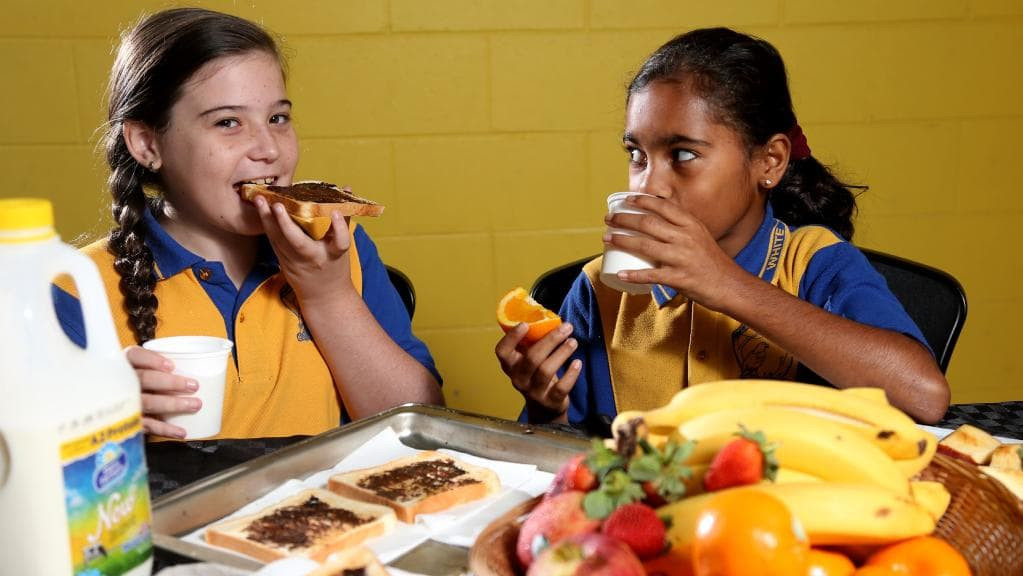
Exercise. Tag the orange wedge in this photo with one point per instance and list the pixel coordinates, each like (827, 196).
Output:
(517, 306)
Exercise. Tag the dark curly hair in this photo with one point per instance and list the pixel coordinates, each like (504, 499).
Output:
(744, 82)
(155, 60)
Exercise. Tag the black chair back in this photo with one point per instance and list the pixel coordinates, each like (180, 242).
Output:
(405, 289)
(933, 299)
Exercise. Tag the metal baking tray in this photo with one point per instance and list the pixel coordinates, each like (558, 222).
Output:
(187, 509)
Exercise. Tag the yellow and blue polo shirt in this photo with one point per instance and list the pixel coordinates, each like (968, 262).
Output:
(278, 385)
(637, 351)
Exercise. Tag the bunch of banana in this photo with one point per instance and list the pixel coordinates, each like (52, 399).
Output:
(846, 457)
(864, 412)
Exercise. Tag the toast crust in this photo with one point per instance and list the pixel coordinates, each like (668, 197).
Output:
(313, 199)
(969, 443)
(421, 484)
(314, 523)
(350, 561)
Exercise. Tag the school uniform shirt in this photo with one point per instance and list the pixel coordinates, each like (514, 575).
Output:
(637, 351)
(278, 384)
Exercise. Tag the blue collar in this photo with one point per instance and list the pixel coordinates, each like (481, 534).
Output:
(171, 257)
(758, 257)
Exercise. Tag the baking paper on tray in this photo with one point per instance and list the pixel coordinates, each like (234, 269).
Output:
(458, 526)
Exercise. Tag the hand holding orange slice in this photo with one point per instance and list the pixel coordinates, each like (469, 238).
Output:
(516, 307)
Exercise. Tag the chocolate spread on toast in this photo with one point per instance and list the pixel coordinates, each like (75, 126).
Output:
(299, 526)
(316, 192)
(418, 480)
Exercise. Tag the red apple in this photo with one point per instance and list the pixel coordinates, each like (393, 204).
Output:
(552, 520)
(592, 554)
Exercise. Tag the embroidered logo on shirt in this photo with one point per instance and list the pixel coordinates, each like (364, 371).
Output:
(290, 302)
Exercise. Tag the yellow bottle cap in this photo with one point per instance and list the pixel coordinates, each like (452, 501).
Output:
(25, 219)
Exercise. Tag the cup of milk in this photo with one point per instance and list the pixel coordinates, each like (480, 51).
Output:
(616, 259)
(204, 359)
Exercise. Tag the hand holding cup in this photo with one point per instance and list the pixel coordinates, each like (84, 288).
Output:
(616, 259)
(203, 359)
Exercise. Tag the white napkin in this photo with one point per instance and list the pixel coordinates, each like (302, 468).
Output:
(458, 526)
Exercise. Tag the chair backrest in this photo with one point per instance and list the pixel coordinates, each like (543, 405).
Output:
(404, 287)
(933, 299)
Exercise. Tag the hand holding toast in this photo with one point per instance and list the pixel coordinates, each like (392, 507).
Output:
(314, 268)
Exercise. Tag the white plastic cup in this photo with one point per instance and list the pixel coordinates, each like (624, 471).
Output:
(616, 259)
(203, 358)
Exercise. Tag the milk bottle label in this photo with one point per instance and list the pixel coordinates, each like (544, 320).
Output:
(107, 498)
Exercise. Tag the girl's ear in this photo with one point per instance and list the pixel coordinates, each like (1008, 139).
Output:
(141, 142)
(772, 161)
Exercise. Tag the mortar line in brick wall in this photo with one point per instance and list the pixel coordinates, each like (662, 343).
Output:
(349, 136)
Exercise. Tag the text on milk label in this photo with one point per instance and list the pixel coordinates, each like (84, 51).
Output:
(107, 497)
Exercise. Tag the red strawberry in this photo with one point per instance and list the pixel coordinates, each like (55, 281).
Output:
(573, 475)
(653, 498)
(745, 460)
(638, 526)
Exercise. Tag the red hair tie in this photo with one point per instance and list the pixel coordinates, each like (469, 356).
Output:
(800, 148)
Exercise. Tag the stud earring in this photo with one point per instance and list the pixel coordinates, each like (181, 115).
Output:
(152, 166)
(768, 182)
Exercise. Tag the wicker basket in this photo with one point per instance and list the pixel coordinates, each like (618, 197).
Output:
(984, 521)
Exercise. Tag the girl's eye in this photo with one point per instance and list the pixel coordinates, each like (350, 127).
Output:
(228, 123)
(280, 119)
(682, 155)
(635, 155)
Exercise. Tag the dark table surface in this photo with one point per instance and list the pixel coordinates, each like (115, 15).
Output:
(175, 464)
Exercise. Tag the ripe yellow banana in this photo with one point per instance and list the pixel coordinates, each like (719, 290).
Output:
(694, 484)
(860, 410)
(933, 496)
(805, 443)
(830, 513)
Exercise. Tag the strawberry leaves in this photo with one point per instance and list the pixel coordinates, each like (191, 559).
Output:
(622, 481)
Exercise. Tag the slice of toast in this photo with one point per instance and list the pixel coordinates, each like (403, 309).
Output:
(969, 443)
(358, 560)
(421, 484)
(1011, 479)
(310, 203)
(1008, 457)
(313, 523)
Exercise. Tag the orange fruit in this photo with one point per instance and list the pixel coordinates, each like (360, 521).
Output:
(826, 563)
(921, 556)
(748, 533)
(517, 306)
(877, 571)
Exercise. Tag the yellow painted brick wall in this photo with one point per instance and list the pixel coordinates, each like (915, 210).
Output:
(490, 129)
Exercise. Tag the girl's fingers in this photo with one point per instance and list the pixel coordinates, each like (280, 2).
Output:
(161, 428)
(561, 387)
(169, 404)
(142, 359)
(507, 348)
(165, 383)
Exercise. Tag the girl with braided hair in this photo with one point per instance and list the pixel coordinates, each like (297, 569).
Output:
(756, 276)
(198, 106)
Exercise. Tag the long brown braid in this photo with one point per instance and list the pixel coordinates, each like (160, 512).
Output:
(155, 60)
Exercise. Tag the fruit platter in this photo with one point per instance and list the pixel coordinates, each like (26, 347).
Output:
(750, 477)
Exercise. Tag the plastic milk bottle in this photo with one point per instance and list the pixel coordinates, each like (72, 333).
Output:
(74, 493)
